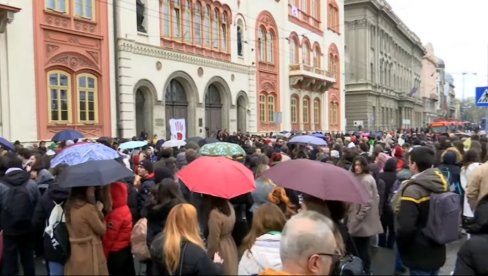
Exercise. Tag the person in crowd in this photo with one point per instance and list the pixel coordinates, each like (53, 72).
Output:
(389, 176)
(18, 198)
(55, 195)
(307, 246)
(264, 186)
(144, 181)
(472, 160)
(179, 249)
(279, 197)
(166, 195)
(261, 247)
(86, 228)
(413, 212)
(364, 219)
(221, 222)
(477, 185)
(116, 242)
(473, 255)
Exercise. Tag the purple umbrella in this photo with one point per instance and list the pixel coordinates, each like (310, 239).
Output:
(318, 179)
(308, 139)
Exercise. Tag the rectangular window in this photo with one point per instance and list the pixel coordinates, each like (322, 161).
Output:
(206, 27)
(316, 112)
(271, 109)
(84, 8)
(270, 46)
(293, 105)
(315, 9)
(87, 95)
(177, 23)
(197, 23)
(304, 6)
(305, 111)
(59, 97)
(187, 22)
(262, 108)
(57, 5)
(215, 30)
(166, 19)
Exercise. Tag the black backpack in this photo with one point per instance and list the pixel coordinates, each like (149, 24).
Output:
(57, 248)
(18, 210)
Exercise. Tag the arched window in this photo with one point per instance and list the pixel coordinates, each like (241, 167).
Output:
(316, 113)
(59, 97)
(177, 20)
(215, 29)
(306, 105)
(316, 57)
(306, 53)
(197, 24)
(269, 43)
(262, 108)
(207, 26)
(262, 45)
(187, 22)
(224, 31)
(271, 108)
(87, 98)
(294, 110)
(166, 19)
(240, 28)
(293, 52)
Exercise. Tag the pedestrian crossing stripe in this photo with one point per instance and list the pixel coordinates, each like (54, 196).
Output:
(483, 99)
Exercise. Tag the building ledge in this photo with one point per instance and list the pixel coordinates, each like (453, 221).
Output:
(6, 16)
(310, 78)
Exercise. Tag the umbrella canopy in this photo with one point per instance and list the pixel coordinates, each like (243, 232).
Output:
(222, 149)
(319, 135)
(6, 144)
(209, 140)
(93, 173)
(82, 152)
(195, 139)
(318, 179)
(67, 134)
(307, 139)
(217, 176)
(132, 145)
(173, 144)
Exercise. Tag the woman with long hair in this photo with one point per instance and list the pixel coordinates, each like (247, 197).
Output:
(261, 247)
(279, 197)
(472, 160)
(364, 219)
(179, 249)
(221, 221)
(86, 228)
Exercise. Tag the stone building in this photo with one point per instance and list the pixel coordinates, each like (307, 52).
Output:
(383, 68)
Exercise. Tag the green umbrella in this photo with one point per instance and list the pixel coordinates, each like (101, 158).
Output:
(222, 149)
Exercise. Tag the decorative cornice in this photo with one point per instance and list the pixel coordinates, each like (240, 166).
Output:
(137, 48)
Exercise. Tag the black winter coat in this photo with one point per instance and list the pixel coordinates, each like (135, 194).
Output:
(472, 258)
(195, 260)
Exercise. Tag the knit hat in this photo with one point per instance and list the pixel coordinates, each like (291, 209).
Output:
(147, 165)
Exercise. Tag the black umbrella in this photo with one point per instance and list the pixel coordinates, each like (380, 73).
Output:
(93, 173)
(209, 140)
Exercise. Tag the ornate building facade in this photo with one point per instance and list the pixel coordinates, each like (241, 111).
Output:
(384, 68)
(228, 65)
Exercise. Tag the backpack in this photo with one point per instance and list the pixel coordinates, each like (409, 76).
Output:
(454, 185)
(18, 210)
(444, 218)
(138, 241)
(56, 237)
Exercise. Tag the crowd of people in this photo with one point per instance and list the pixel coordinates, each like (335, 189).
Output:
(155, 220)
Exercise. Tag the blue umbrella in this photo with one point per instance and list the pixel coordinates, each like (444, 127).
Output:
(319, 135)
(6, 144)
(308, 139)
(132, 145)
(83, 152)
(67, 134)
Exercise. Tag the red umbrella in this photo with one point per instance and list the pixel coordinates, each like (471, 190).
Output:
(217, 176)
(318, 179)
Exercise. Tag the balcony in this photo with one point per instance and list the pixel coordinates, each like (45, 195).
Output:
(311, 78)
(434, 97)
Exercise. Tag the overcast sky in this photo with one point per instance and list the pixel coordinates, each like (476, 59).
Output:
(458, 30)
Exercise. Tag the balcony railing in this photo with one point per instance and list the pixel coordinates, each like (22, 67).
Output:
(307, 74)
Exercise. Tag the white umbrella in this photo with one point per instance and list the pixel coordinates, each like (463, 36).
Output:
(173, 143)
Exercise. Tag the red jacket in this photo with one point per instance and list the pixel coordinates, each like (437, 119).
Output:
(119, 221)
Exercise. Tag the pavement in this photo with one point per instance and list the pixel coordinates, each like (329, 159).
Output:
(382, 263)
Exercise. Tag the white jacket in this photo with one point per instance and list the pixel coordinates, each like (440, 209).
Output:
(265, 253)
(465, 176)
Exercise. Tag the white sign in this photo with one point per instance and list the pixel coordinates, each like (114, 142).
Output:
(178, 129)
(358, 123)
